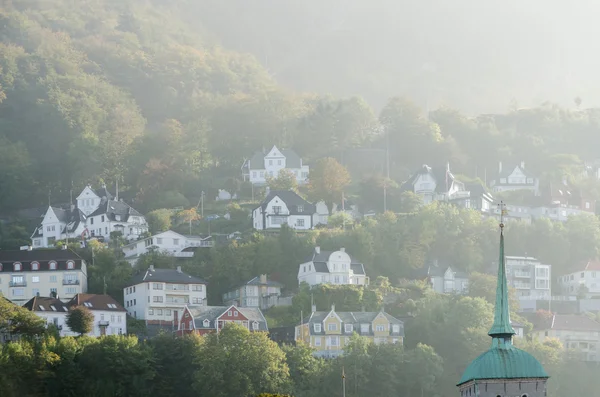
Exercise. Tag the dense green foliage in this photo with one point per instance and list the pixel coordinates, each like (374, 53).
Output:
(80, 320)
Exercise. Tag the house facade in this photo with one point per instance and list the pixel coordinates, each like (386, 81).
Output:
(444, 280)
(29, 273)
(329, 332)
(515, 178)
(529, 277)
(202, 320)
(584, 282)
(576, 332)
(169, 242)
(53, 311)
(332, 267)
(284, 208)
(437, 184)
(110, 318)
(259, 292)
(263, 165)
(97, 214)
(160, 295)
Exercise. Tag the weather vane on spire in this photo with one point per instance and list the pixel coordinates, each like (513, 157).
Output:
(502, 208)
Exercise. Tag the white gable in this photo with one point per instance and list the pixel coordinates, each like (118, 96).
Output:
(50, 216)
(517, 173)
(87, 193)
(275, 153)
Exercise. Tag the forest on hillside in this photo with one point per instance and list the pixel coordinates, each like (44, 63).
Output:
(140, 92)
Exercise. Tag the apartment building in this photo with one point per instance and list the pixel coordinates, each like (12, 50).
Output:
(329, 332)
(584, 282)
(160, 295)
(50, 272)
(529, 277)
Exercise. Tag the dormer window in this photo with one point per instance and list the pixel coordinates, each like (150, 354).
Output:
(0, 267)
(300, 208)
(206, 323)
(348, 328)
(395, 328)
(35, 266)
(17, 266)
(70, 265)
(52, 265)
(317, 327)
(255, 325)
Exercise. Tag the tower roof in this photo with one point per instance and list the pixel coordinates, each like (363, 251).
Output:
(503, 360)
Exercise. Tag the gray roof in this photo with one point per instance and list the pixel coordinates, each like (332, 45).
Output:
(270, 283)
(320, 259)
(354, 318)
(112, 208)
(164, 276)
(72, 218)
(437, 173)
(292, 200)
(212, 313)
(436, 271)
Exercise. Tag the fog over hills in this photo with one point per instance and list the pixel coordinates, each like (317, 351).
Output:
(472, 55)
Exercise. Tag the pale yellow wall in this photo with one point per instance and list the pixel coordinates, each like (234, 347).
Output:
(332, 320)
(381, 320)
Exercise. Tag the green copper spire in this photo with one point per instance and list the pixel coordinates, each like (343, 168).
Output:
(501, 327)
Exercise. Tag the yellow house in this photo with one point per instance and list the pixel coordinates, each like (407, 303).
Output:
(329, 332)
(577, 333)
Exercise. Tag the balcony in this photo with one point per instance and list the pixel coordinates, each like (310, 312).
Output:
(183, 254)
(522, 285)
(70, 281)
(521, 274)
(17, 283)
(177, 301)
(103, 323)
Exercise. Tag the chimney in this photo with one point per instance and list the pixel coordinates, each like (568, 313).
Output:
(343, 249)
(499, 166)
(313, 308)
(178, 269)
(151, 268)
(263, 278)
(332, 307)
(317, 250)
(522, 165)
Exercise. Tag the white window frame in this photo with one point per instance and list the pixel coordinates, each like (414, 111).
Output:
(317, 327)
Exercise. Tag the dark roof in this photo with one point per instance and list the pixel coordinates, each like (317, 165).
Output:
(103, 192)
(292, 200)
(164, 276)
(44, 304)
(508, 169)
(72, 218)
(437, 173)
(96, 302)
(42, 256)
(574, 322)
(112, 208)
(478, 190)
(270, 283)
(436, 271)
(211, 313)
(292, 160)
(323, 256)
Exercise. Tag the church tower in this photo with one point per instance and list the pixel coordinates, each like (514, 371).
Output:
(503, 370)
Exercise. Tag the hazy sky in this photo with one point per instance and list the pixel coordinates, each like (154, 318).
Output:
(470, 54)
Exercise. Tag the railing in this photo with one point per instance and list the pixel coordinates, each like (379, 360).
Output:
(103, 323)
(70, 281)
(181, 301)
(17, 284)
(522, 274)
(183, 254)
(522, 286)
